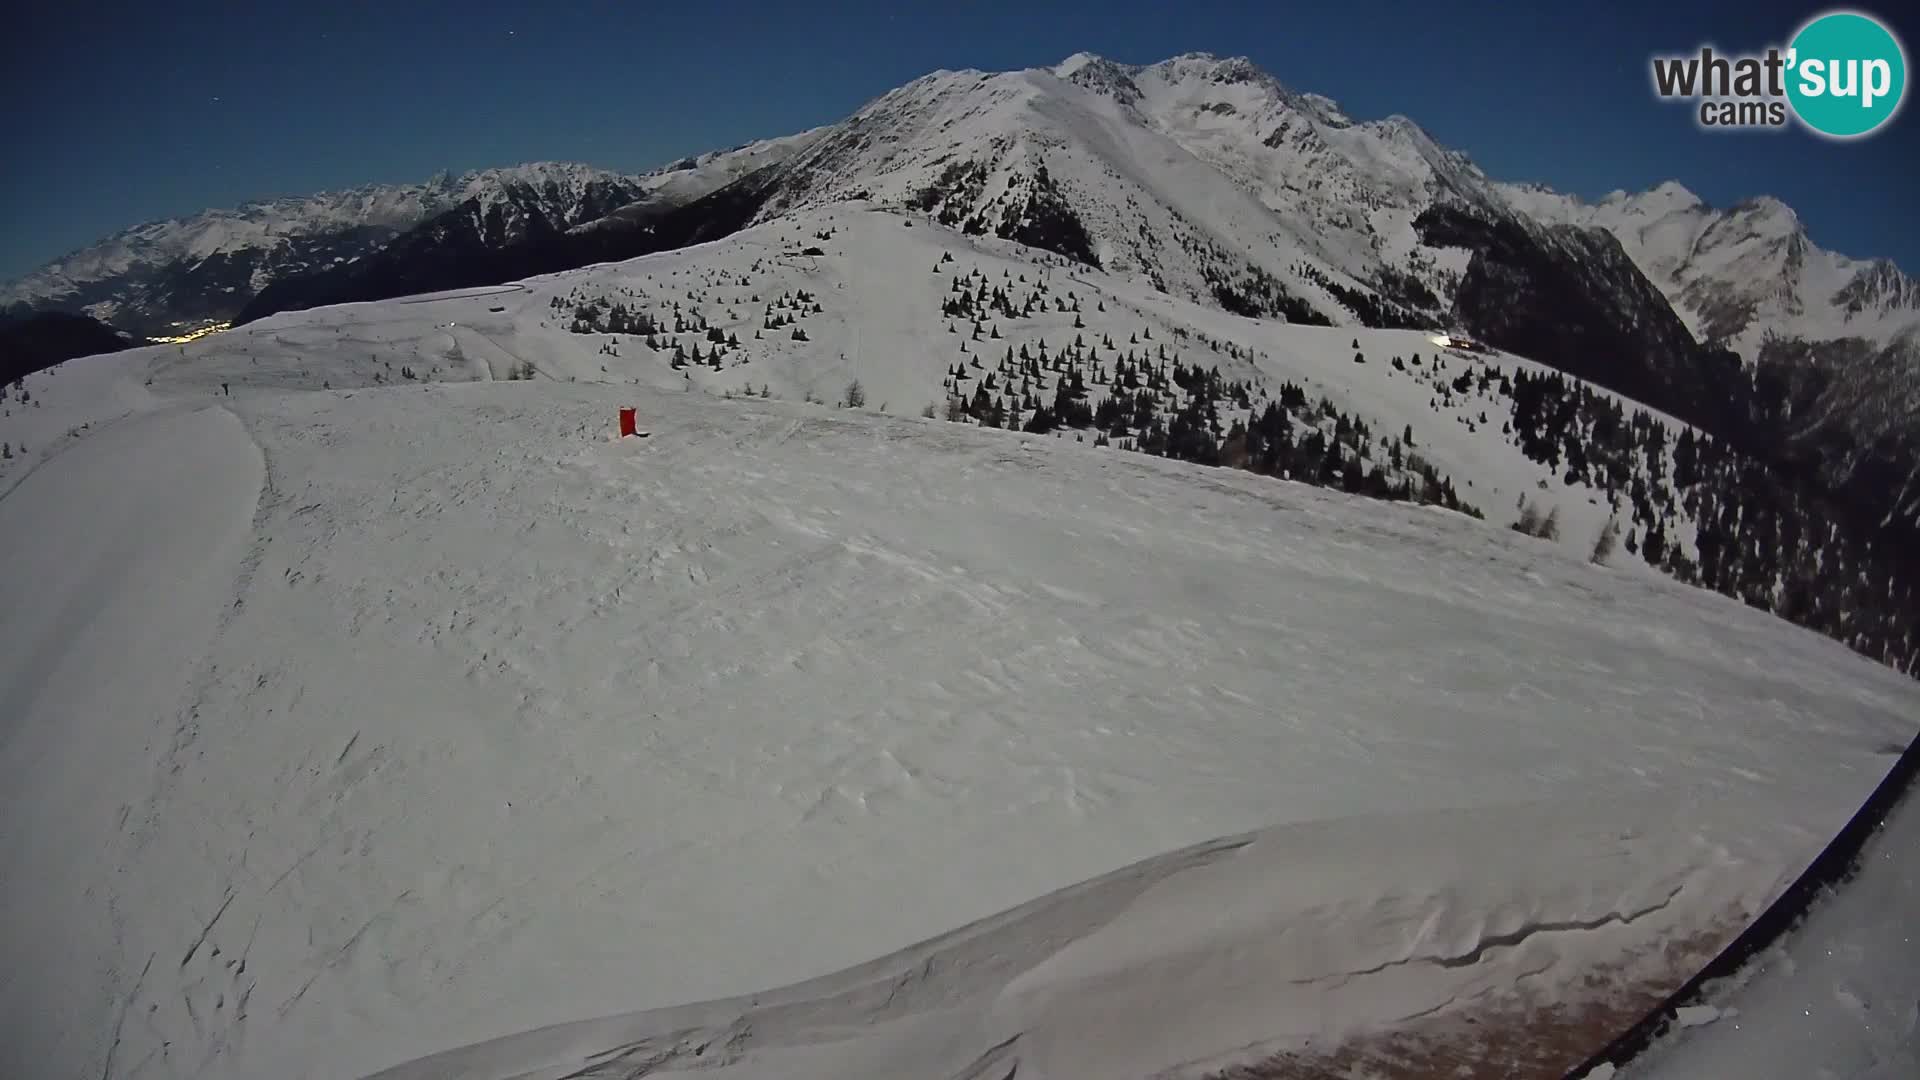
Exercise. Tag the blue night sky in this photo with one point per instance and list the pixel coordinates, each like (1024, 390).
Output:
(121, 113)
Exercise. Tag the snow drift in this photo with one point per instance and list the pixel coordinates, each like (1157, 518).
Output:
(1303, 944)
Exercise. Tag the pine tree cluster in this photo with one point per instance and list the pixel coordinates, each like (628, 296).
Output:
(1141, 395)
(1776, 544)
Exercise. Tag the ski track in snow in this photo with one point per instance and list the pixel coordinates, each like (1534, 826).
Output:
(148, 517)
(383, 721)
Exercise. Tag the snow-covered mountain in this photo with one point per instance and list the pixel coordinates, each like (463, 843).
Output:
(692, 178)
(1204, 176)
(1210, 180)
(1201, 168)
(1744, 273)
(166, 276)
(1836, 338)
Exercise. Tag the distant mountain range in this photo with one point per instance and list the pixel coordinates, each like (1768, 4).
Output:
(166, 277)
(1204, 176)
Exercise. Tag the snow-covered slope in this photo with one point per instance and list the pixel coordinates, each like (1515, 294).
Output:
(690, 178)
(438, 714)
(1211, 180)
(447, 715)
(1840, 996)
(1396, 945)
(1358, 185)
(1196, 174)
(881, 285)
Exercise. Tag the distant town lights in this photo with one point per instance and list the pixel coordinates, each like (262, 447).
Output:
(192, 335)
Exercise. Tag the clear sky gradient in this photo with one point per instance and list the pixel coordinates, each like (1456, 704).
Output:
(122, 113)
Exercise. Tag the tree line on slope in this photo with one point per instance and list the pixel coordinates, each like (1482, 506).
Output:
(1770, 540)
(1031, 209)
(1756, 535)
(1693, 506)
(665, 331)
(1805, 512)
(1138, 396)
(1167, 408)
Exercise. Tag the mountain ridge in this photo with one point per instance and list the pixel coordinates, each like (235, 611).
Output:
(1213, 180)
(158, 277)
(1378, 167)
(1742, 272)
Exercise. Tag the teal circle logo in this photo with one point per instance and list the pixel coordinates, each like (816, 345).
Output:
(1846, 74)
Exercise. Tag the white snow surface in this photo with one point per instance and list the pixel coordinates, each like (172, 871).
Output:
(1838, 997)
(1207, 957)
(346, 726)
(121, 559)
